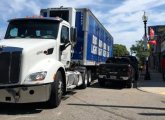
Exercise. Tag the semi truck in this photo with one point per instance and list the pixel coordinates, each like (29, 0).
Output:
(41, 58)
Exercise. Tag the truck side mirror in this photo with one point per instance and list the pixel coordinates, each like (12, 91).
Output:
(62, 47)
(73, 35)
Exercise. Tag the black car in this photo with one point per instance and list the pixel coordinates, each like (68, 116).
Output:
(116, 69)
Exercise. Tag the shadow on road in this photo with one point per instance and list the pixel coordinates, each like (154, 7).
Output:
(68, 94)
(152, 114)
(115, 85)
(117, 106)
(18, 109)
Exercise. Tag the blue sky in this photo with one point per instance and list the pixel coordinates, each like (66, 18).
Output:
(122, 18)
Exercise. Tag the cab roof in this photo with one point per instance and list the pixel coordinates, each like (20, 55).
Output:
(38, 18)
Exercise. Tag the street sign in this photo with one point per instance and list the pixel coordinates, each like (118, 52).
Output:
(145, 42)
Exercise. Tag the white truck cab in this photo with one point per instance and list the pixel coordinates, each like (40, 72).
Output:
(35, 61)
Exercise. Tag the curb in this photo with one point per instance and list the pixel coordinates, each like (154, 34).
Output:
(161, 92)
(141, 82)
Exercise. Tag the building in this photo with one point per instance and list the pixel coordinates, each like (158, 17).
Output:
(156, 33)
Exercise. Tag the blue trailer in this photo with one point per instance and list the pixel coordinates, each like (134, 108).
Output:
(93, 40)
(94, 43)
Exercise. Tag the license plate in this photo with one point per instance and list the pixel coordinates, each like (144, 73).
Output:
(112, 77)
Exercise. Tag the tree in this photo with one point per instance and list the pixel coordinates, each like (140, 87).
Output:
(138, 50)
(119, 50)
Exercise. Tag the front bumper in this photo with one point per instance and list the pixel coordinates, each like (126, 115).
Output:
(25, 94)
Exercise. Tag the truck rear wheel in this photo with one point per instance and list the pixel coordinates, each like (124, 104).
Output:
(85, 79)
(56, 91)
(89, 78)
(101, 82)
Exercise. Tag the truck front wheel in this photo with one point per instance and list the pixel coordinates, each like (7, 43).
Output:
(56, 91)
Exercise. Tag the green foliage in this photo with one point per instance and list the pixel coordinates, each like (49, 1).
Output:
(119, 50)
(138, 50)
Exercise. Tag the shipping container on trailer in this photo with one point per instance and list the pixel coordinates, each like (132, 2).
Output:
(92, 39)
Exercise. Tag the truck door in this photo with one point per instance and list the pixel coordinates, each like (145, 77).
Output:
(66, 53)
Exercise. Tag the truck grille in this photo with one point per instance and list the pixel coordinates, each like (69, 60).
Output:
(10, 67)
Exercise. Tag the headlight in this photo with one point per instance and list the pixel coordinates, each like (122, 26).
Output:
(38, 76)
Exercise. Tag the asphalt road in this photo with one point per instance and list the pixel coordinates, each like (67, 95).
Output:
(93, 103)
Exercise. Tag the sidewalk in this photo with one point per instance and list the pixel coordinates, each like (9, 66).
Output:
(155, 85)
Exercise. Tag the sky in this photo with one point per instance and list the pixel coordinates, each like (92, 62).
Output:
(122, 18)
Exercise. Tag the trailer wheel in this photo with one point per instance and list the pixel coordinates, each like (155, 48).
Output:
(89, 78)
(85, 79)
(56, 91)
(101, 82)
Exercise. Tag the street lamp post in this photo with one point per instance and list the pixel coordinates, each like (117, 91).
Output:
(147, 74)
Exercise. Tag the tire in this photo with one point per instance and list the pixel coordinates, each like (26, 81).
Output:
(136, 77)
(101, 82)
(133, 79)
(163, 75)
(56, 91)
(89, 78)
(85, 80)
(129, 85)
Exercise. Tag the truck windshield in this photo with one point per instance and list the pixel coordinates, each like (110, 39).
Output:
(32, 28)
